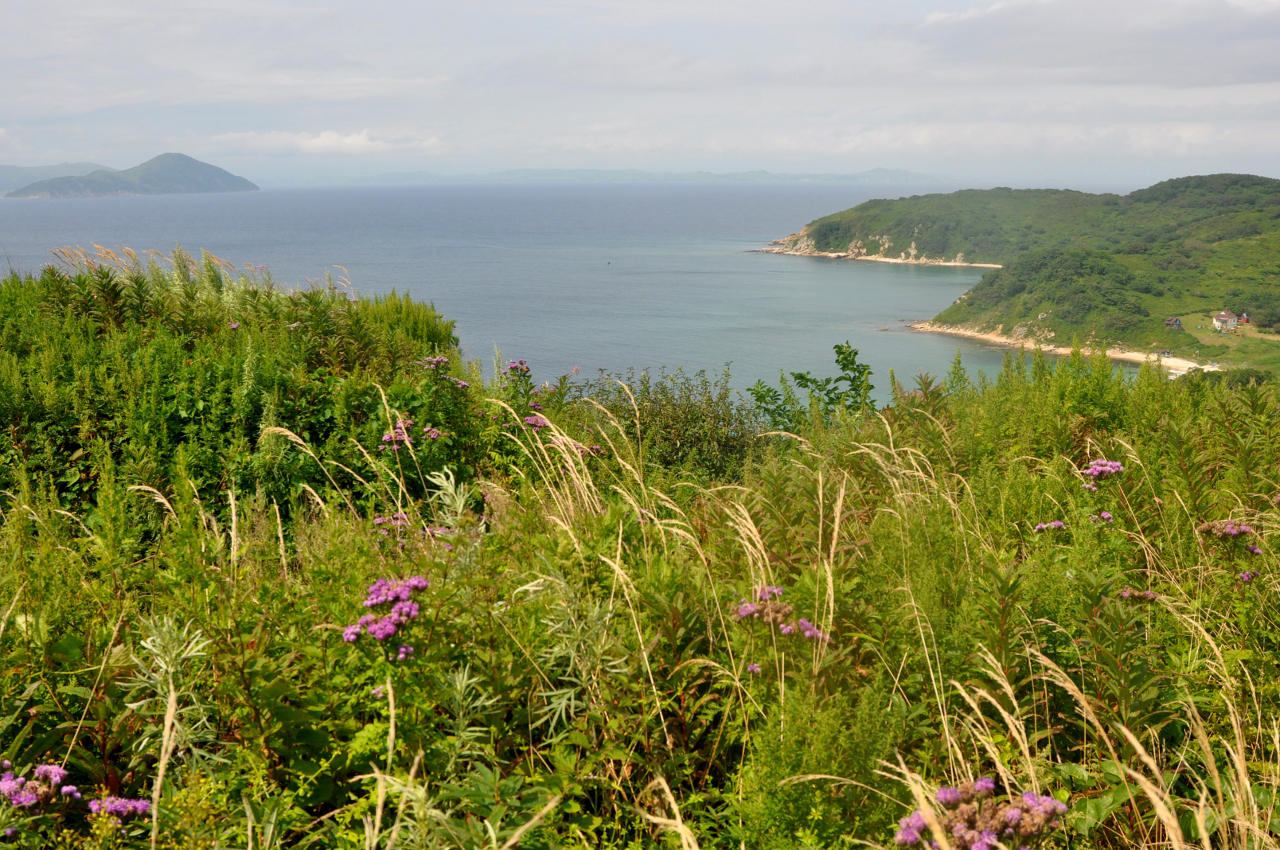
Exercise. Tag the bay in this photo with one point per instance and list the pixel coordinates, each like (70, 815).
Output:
(594, 276)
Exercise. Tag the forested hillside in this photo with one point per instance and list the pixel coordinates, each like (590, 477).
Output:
(1104, 267)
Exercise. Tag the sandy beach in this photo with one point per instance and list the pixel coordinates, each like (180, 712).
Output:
(1123, 355)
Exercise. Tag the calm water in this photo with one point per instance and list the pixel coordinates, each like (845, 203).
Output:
(596, 276)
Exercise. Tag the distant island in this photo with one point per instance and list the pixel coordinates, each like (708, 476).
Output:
(1187, 267)
(15, 176)
(167, 174)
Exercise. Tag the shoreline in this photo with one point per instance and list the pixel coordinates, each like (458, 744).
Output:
(1177, 365)
(781, 246)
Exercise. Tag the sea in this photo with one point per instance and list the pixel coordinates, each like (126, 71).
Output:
(584, 277)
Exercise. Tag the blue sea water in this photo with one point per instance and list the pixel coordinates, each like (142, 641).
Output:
(596, 276)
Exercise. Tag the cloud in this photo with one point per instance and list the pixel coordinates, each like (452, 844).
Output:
(1173, 43)
(325, 142)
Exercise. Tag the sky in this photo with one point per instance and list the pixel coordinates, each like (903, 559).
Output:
(1083, 93)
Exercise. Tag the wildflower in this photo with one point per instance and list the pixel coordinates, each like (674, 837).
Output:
(51, 774)
(397, 436)
(70, 791)
(399, 595)
(1045, 526)
(432, 433)
(976, 821)
(120, 806)
(767, 592)
(910, 829)
(536, 422)
(753, 668)
(1100, 468)
(404, 652)
(533, 405)
(810, 631)
(1225, 529)
(1248, 576)
(434, 363)
(234, 325)
(1102, 518)
(1255, 550)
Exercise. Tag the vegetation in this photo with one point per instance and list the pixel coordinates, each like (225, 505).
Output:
(279, 571)
(167, 174)
(1102, 267)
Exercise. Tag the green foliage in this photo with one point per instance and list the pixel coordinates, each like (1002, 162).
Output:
(848, 392)
(689, 422)
(632, 623)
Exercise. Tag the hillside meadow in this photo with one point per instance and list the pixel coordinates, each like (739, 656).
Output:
(278, 569)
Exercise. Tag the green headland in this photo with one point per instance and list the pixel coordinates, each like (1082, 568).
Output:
(1146, 271)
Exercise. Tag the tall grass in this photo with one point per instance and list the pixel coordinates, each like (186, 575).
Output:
(608, 647)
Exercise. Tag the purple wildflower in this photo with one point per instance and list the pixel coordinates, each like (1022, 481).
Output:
(949, 797)
(1045, 526)
(435, 363)
(1100, 468)
(24, 799)
(51, 774)
(120, 806)
(810, 631)
(753, 668)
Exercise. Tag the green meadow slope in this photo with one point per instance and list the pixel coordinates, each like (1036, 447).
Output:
(1082, 266)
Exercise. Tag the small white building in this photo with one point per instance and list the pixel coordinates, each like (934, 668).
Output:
(1225, 321)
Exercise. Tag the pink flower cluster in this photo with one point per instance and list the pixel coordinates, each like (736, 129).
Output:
(398, 436)
(44, 786)
(1100, 468)
(120, 806)
(397, 596)
(974, 820)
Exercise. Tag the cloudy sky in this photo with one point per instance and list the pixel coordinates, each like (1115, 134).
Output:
(1021, 92)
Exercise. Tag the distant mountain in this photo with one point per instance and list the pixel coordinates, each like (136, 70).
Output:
(13, 176)
(167, 174)
(873, 177)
